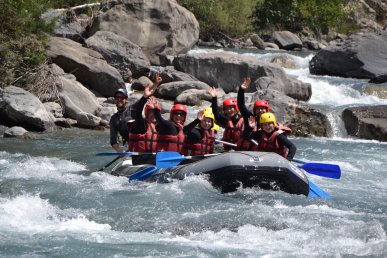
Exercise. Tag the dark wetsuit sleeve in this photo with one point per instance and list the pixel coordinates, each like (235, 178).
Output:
(166, 127)
(188, 128)
(113, 129)
(284, 141)
(241, 105)
(219, 118)
(243, 109)
(140, 125)
(194, 136)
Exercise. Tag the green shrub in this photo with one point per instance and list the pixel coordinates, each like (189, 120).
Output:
(226, 16)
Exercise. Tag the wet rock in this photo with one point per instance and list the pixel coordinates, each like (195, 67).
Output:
(159, 27)
(366, 122)
(361, 56)
(21, 108)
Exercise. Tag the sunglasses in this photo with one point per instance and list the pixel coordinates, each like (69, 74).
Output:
(177, 113)
(120, 98)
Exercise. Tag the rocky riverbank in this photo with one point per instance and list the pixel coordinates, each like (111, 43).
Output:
(89, 64)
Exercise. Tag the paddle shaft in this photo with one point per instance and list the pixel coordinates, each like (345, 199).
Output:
(108, 164)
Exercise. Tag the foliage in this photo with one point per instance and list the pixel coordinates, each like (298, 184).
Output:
(293, 15)
(277, 15)
(226, 16)
(22, 36)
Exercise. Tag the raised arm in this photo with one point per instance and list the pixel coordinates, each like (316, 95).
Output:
(241, 99)
(219, 118)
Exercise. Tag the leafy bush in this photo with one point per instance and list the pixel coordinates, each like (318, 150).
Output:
(293, 15)
(227, 16)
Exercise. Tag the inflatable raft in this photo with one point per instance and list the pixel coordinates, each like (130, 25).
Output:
(228, 172)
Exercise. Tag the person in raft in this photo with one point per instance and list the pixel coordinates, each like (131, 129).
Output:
(270, 138)
(231, 120)
(119, 127)
(143, 132)
(200, 134)
(170, 132)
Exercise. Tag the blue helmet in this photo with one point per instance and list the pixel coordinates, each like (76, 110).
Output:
(122, 91)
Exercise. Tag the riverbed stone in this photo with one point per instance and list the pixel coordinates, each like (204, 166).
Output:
(366, 122)
(159, 27)
(19, 107)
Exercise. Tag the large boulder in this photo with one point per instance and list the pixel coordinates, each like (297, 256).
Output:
(361, 56)
(118, 51)
(367, 122)
(227, 70)
(301, 118)
(173, 89)
(159, 27)
(89, 66)
(287, 40)
(21, 108)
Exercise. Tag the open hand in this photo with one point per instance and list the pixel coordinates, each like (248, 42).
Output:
(246, 83)
(201, 115)
(252, 121)
(213, 92)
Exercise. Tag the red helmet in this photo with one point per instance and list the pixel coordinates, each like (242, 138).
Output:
(177, 107)
(147, 108)
(230, 102)
(262, 103)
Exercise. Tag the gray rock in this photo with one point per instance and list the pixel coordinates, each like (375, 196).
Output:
(159, 27)
(378, 90)
(173, 89)
(284, 61)
(86, 120)
(193, 97)
(302, 119)
(257, 41)
(19, 107)
(227, 70)
(18, 132)
(286, 40)
(87, 65)
(54, 108)
(361, 56)
(118, 51)
(366, 122)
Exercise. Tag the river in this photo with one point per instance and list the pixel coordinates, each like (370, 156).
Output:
(55, 203)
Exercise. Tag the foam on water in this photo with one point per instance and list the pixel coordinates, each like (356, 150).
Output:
(30, 213)
(25, 166)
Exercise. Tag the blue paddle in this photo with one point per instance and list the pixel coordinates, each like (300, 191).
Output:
(320, 169)
(169, 158)
(315, 191)
(143, 174)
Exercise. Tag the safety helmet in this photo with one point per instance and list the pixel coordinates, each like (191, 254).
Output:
(147, 108)
(122, 91)
(267, 118)
(177, 107)
(230, 102)
(261, 103)
(207, 113)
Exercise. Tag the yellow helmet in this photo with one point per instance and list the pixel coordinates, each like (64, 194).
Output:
(267, 118)
(209, 114)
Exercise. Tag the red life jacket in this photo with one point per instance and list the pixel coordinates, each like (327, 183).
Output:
(245, 144)
(171, 142)
(204, 146)
(232, 133)
(144, 142)
(284, 128)
(271, 144)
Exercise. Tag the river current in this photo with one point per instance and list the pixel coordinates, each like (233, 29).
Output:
(55, 203)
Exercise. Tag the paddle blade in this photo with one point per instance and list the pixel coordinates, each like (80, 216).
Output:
(167, 159)
(143, 174)
(322, 169)
(315, 191)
